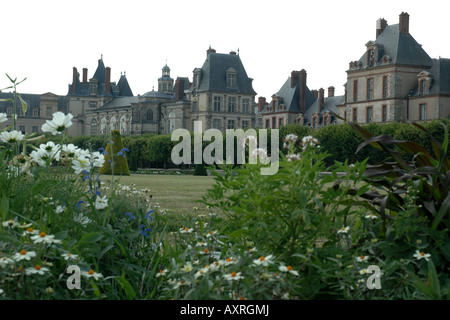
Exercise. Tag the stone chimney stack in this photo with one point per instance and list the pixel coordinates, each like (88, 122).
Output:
(233, 52)
(85, 75)
(210, 50)
(179, 89)
(302, 91)
(331, 91)
(74, 80)
(261, 103)
(315, 94)
(107, 80)
(381, 25)
(321, 100)
(404, 23)
(295, 76)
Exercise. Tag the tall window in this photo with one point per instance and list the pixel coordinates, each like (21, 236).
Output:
(34, 129)
(384, 113)
(370, 89)
(217, 102)
(371, 57)
(280, 122)
(22, 129)
(274, 122)
(230, 124)
(48, 111)
(267, 123)
(355, 115)
(369, 114)
(385, 87)
(36, 112)
(245, 124)
(231, 78)
(149, 115)
(245, 105)
(422, 111)
(325, 120)
(231, 104)
(355, 90)
(216, 124)
(422, 87)
(93, 127)
(194, 106)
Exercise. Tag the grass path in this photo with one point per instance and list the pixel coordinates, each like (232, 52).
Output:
(173, 193)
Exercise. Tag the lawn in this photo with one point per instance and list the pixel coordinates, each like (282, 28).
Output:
(172, 193)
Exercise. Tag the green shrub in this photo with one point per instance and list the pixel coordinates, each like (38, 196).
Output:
(115, 158)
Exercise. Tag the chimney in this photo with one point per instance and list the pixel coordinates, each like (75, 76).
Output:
(233, 52)
(315, 94)
(179, 89)
(404, 23)
(85, 75)
(321, 100)
(381, 25)
(74, 80)
(302, 91)
(210, 51)
(295, 76)
(107, 80)
(331, 91)
(261, 103)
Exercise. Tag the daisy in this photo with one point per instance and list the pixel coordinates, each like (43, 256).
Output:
(371, 216)
(44, 238)
(188, 267)
(11, 137)
(37, 269)
(229, 261)
(343, 230)
(92, 274)
(362, 258)
(265, 261)
(58, 124)
(288, 269)
(30, 231)
(161, 273)
(24, 255)
(69, 256)
(60, 209)
(10, 223)
(421, 255)
(101, 203)
(5, 261)
(186, 230)
(233, 276)
(211, 233)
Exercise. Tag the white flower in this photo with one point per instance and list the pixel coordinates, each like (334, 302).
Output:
(80, 164)
(101, 203)
(265, 261)
(11, 136)
(69, 256)
(293, 157)
(343, 230)
(37, 269)
(362, 258)
(188, 267)
(288, 269)
(5, 261)
(211, 233)
(82, 219)
(38, 156)
(233, 276)
(58, 124)
(250, 141)
(70, 150)
(262, 153)
(10, 223)
(24, 255)
(161, 273)
(371, 216)
(291, 138)
(44, 238)
(97, 159)
(60, 209)
(421, 255)
(30, 231)
(3, 117)
(186, 230)
(92, 274)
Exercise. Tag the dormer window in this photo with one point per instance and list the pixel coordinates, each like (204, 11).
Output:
(93, 85)
(371, 57)
(424, 82)
(196, 81)
(231, 78)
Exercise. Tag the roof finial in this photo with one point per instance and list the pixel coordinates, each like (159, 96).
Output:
(101, 57)
(238, 50)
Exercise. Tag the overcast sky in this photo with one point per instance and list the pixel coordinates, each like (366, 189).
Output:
(43, 40)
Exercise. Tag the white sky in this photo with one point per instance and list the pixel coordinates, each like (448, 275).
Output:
(44, 39)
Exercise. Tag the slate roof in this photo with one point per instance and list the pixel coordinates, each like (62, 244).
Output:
(213, 74)
(33, 101)
(124, 87)
(291, 98)
(117, 103)
(330, 104)
(401, 48)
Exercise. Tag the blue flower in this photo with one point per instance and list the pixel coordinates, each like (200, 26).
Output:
(121, 152)
(130, 216)
(148, 215)
(102, 151)
(145, 232)
(87, 176)
(79, 204)
(98, 177)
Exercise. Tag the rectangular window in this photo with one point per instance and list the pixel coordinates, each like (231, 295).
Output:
(370, 89)
(267, 123)
(384, 113)
(422, 87)
(385, 87)
(314, 122)
(216, 124)
(194, 106)
(9, 111)
(325, 120)
(231, 104)
(22, 129)
(280, 122)
(231, 80)
(355, 115)
(245, 105)
(371, 57)
(355, 90)
(422, 111)
(35, 112)
(48, 111)
(274, 123)
(92, 104)
(217, 102)
(245, 124)
(34, 129)
(369, 116)
(230, 124)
